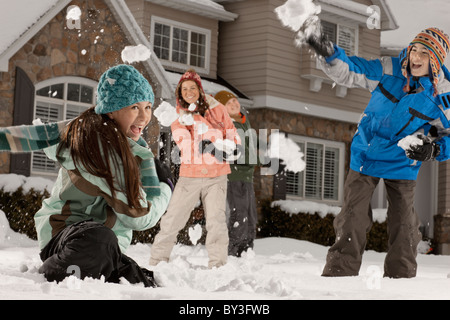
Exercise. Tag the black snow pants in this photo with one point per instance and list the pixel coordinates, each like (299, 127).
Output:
(241, 208)
(89, 249)
(355, 221)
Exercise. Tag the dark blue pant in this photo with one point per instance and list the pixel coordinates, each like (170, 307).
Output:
(89, 249)
(242, 217)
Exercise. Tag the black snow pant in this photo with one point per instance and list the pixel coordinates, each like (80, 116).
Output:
(355, 221)
(241, 207)
(89, 249)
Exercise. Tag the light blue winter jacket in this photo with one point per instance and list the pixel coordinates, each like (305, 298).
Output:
(391, 114)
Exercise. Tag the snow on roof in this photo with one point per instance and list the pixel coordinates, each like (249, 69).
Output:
(206, 8)
(18, 16)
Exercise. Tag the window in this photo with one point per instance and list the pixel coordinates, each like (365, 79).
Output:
(322, 178)
(56, 100)
(343, 36)
(179, 45)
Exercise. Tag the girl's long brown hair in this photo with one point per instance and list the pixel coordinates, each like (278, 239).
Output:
(98, 145)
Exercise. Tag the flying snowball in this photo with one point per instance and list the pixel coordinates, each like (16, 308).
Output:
(137, 53)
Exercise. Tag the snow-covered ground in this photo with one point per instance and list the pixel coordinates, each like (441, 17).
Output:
(277, 269)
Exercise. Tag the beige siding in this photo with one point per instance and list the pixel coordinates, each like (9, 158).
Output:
(144, 10)
(258, 56)
(137, 8)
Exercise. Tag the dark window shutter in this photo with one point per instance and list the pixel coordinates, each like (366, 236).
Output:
(23, 114)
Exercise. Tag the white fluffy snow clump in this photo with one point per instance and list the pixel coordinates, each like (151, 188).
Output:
(284, 148)
(300, 16)
(132, 54)
(166, 114)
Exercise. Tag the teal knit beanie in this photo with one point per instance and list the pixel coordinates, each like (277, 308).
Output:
(122, 86)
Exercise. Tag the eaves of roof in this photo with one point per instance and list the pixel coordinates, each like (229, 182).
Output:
(360, 12)
(213, 10)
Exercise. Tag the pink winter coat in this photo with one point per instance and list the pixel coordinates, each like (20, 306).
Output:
(216, 124)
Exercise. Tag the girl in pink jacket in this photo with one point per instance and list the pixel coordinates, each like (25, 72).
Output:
(207, 139)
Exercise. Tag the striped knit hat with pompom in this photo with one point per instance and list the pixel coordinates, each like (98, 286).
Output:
(438, 45)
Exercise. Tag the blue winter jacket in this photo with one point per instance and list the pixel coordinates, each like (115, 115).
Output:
(391, 114)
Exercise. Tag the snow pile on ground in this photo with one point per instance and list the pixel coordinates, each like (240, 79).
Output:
(277, 269)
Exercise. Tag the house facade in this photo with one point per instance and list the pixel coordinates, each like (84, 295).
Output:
(51, 72)
(258, 56)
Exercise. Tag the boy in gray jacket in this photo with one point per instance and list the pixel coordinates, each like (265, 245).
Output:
(241, 203)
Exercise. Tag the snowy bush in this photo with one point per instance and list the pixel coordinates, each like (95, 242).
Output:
(21, 197)
(20, 207)
(315, 227)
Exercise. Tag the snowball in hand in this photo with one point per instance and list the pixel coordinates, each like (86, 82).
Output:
(300, 16)
(187, 119)
(226, 145)
(201, 127)
(410, 141)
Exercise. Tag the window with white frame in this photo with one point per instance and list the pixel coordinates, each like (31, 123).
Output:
(180, 45)
(56, 100)
(344, 36)
(322, 179)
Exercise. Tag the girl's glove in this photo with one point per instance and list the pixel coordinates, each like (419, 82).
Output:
(164, 173)
(222, 149)
(427, 151)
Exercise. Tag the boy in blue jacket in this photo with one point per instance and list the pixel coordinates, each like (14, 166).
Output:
(410, 96)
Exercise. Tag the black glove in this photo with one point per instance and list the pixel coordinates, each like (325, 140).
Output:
(429, 150)
(164, 173)
(321, 45)
(206, 146)
(234, 156)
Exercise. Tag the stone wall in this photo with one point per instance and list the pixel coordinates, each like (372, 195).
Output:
(442, 233)
(298, 124)
(60, 49)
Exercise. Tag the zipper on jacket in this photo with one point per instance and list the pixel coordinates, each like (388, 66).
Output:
(414, 114)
